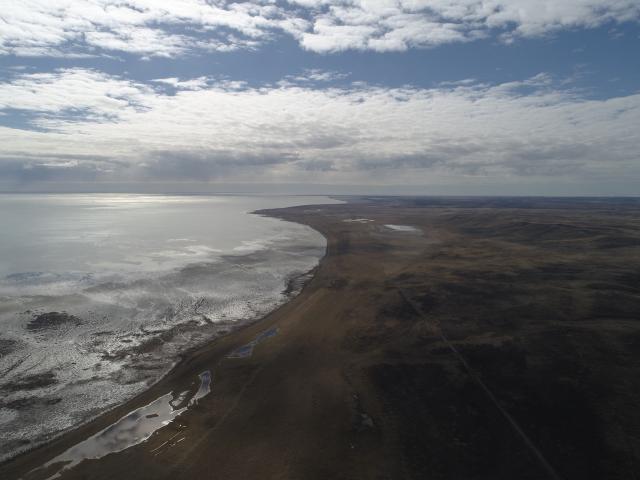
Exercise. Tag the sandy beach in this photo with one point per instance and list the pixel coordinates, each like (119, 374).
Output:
(376, 370)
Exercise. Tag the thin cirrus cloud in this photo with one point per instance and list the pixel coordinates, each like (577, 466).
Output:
(208, 129)
(147, 28)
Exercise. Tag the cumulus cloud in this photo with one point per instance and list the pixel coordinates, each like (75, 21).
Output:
(144, 27)
(190, 84)
(85, 124)
(168, 29)
(388, 25)
(74, 89)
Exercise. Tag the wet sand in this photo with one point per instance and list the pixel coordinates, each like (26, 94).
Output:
(376, 370)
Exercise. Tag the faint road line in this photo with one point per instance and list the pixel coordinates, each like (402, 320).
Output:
(525, 438)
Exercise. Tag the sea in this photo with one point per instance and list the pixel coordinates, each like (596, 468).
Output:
(101, 293)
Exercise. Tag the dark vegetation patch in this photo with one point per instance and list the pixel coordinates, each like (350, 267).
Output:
(449, 428)
(446, 427)
(7, 346)
(480, 292)
(343, 245)
(397, 309)
(550, 272)
(427, 301)
(338, 283)
(617, 242)
(49, 320)
(366, 340)
(31, 382)
(549, 283)
(612, 304)
(541, 232)
(604, 286)
(566, 231)
(503, 360)
(29, 402)
(630, 278)
(523, 203)
(558, 415)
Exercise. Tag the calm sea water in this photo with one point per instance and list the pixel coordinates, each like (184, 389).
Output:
(100, 293)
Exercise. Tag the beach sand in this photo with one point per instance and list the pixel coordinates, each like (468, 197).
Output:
(417, 353)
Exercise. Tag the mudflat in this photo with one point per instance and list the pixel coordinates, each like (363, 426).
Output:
(440, 338)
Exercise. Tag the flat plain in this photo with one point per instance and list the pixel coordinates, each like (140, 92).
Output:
(497, 338)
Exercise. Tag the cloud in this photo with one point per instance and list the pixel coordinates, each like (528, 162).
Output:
(317, 75)
(68, 94)
(75, 28)
(88, 125)
(143, 27)
(190, 84)
(385, 25)
(313, 76)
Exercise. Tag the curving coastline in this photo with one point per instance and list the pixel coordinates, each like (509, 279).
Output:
(372, 371)
(34, 459)
(128, 328)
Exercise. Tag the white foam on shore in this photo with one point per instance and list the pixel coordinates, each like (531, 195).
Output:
(403, 228)
(357, 220)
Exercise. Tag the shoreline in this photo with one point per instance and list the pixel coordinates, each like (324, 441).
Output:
(104, 419)
(348, 380)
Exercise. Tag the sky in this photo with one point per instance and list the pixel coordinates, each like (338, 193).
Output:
(442, 97)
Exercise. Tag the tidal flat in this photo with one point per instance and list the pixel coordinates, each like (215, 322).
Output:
(101, 294)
